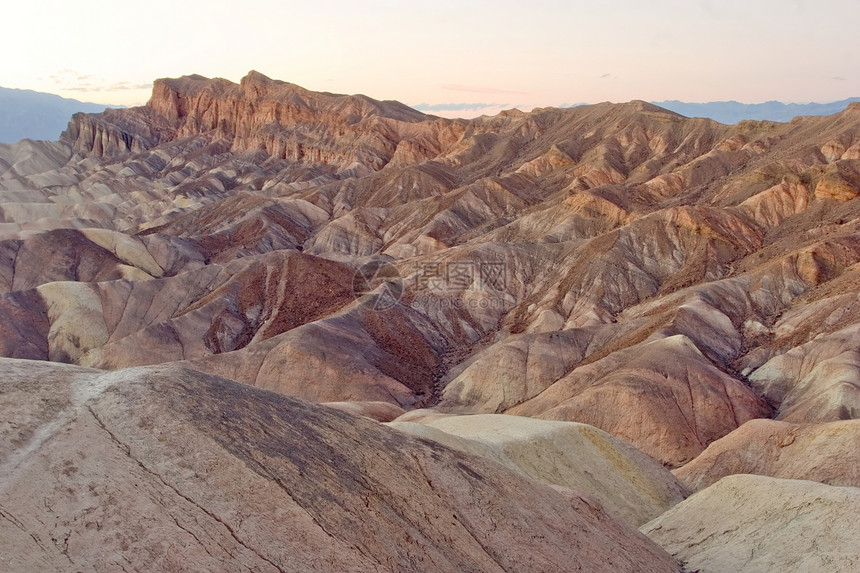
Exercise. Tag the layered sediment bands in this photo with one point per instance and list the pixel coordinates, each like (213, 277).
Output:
(283, 119)
(662, 278)
(114, 132)
(395, 358)
(622, 290)
(210, 310)
(662, 396)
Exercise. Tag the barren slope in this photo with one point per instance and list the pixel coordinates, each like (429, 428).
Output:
(750, 524)
(162, 468)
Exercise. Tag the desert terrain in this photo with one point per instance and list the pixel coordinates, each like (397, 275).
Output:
(255, 327)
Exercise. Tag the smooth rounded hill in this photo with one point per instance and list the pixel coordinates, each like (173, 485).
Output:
(755, 524)
(581, 457)
(162, 468)
(663, 396)
(826, 453)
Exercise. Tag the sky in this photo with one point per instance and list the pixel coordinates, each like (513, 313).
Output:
(451, 58)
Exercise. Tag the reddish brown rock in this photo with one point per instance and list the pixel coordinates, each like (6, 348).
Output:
(664, 397)
(825, 453)
(172, 232)
(663, 278)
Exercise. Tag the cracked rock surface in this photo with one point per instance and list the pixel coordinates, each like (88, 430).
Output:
(164, 468)
(757, 524)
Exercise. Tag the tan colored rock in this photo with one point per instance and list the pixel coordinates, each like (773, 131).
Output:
(28, 157)
(663, 396)
(161, 467)
(379, 411)
(66, 255)
(751, 524)
(520, 367)
(76, 317)
(774, 205)
(825, 453)
(653, 264)
(356, 356)
(555, 158)
(833, 150)
(837, 188)
(576, 456)
(815, 381)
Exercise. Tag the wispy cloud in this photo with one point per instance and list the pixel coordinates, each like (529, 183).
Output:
(71, 80)
(479, 89)
(455, 106)
(839, 78)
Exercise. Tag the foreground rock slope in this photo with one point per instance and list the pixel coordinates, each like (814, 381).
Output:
(164, 468)
(646, 280)
(752, 524)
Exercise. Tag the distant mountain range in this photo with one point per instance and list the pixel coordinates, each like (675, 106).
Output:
(731, 112)
(36, 115)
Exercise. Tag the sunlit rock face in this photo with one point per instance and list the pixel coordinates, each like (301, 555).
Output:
(164, 468)
(750, 524)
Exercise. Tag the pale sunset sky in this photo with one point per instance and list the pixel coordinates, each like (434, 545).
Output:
(456, 57)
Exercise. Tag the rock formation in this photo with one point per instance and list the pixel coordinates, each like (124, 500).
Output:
(752, 524)
(825, 453)
(623, 479)
(163, 468)
(632, 240)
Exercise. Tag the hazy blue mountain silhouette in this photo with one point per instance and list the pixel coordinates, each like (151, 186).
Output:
(731, 112)
(36, 115)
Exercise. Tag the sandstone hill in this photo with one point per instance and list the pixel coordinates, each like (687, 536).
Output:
(827, 453)
(163, 468)
(665, 279)
(662, 279)
(577, 456)
(752, 524)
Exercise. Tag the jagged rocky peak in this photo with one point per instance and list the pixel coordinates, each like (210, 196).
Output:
(116, 131)
(670, 282)
(212, 102)
(282, 119)
(170, 96)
